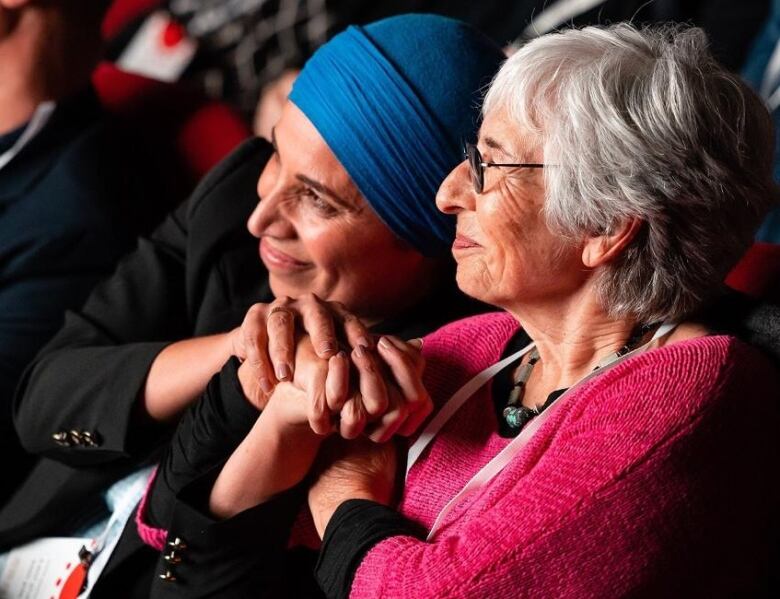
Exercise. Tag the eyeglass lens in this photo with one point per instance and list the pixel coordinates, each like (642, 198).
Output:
(475, 166)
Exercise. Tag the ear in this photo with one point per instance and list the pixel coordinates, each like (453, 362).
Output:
(605, 248)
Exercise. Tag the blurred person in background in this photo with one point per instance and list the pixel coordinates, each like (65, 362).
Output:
(762, 71)
(69, 184)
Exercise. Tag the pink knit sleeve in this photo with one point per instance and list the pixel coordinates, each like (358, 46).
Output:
(631, 488)
(151, 535)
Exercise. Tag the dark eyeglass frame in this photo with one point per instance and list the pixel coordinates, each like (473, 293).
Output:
(477, 165)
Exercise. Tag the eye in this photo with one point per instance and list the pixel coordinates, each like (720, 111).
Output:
(318, 203)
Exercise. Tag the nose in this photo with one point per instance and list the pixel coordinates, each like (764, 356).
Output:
(456, 193)
(268, 218)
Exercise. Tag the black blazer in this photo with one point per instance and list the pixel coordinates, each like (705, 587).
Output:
(197, 274)
(68, 206)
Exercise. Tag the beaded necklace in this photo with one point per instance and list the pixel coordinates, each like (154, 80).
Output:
(516, 415)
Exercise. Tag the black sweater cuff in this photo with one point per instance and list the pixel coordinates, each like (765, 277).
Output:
(355, 527)
(208, 433)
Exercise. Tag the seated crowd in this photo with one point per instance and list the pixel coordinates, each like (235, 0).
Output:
(459, 328)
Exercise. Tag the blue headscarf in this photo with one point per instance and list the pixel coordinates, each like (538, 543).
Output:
(394, 101)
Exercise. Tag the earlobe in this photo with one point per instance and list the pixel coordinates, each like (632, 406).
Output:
(602, 249)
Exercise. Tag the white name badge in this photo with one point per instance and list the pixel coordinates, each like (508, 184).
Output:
(160, 50)
(63, 567)
(44, 569)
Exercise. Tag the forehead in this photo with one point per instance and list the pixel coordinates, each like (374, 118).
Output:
(303, 150)
(516, 141)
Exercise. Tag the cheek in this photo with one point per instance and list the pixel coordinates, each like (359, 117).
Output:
(358, 260)
(330, 244)
(517, 246)
(504, 235)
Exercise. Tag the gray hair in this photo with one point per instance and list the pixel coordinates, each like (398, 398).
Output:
(645, 124)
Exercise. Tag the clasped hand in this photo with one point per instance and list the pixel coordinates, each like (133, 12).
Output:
(375, 388)
(367, 390)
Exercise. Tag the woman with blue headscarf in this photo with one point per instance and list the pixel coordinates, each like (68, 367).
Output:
(347, 215)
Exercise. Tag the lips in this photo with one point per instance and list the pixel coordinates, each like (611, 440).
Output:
(276, 259)
(462, 242)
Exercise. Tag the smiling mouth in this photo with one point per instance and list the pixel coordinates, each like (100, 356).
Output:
(464, 243)
(275, 259)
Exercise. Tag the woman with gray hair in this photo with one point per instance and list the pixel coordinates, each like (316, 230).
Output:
(593, 438)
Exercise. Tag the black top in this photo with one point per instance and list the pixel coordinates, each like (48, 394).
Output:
(7, 140)
(196, 274)
(502, 385)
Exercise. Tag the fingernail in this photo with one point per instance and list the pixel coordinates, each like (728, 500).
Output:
(327, 348)
(282, 372)
(266, 385)
(364, 341)
(384, 342)
(360, 351)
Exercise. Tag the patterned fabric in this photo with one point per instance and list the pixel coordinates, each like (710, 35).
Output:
(247, 43)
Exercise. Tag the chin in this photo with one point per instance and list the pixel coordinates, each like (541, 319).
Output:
(281, 287)
(472, 285)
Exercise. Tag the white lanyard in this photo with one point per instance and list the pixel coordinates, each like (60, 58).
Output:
(38, 121)
(771, 72)
(454, 404)
(133, 489)
(494, 466)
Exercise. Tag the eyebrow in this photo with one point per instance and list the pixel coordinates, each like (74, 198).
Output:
(322, 188)
(325, 190)
(494, 145)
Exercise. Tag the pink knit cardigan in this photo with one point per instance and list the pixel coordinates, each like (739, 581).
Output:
(656, 478)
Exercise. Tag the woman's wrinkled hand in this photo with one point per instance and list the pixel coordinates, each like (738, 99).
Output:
(326, 396)
(376, 393)
(359, 469)
(266, 340)
(376, 389)
(409, 404)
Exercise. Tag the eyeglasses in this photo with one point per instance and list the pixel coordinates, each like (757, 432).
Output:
(477, 166)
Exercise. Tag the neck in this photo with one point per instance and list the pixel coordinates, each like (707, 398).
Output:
(572, 337)
(20, 90)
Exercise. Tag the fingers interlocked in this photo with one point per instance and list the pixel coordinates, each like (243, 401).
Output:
(376, 389)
